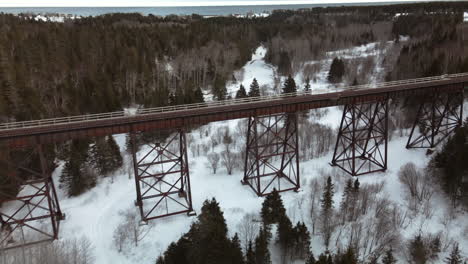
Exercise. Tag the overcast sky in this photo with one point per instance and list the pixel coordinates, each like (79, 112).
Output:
(91, 3)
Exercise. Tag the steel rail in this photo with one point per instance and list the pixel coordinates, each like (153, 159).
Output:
(148, 111)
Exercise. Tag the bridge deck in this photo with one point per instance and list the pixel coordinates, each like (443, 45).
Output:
(18, 134)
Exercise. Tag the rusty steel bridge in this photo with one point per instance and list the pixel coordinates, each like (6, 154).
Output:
(162, 177)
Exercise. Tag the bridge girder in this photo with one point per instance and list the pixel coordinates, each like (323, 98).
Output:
(162, 177)
(272, 159)
(362, 141)
(33, 215)
(438, 116)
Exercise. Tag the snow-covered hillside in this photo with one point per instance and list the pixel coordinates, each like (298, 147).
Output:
(97, 213)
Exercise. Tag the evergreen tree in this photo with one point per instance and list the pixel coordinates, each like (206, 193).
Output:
(254, 89)
(105, 155)
(250, 254)
(302, 241)
(289, 85)
(349, 257)
(435, 248)
(455, 257)
(241, 93)
(418, 251)
(311, 259)
(451, 161)
(337, 71)
(284, 65)
(198, 96)
(307, 84)
(327, 211)
(355, 82)
(322, 259)
(388, 258)
(345, 200)
(286, 237)
(262, 254)
(236, 251)
(210, 236)
(77, 176)
(272, 208)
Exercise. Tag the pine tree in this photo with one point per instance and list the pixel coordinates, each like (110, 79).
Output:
(307, 85)
(337, 70)
(250, 254)
(355, 82)
(388, 258)
(254, 89)
(241, 93)
(262, 254)
(455, 257)
(327, 211)
(272, 208)
(289, 85)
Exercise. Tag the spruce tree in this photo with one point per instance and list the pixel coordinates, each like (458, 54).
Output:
(345, 200)
(241, 93)
(254, 89)
(289, 85)
(250, 254)
(323, 259)
(337, 70)
(455, 257)
(311, 259)
(389, 258)
(327, 211)
(418, 251)
(272, 208)
(105, 155)
(286, 237)
(262, 254)
(236, 251)
(198, 96)
(302, 241)
(307, 85)
(77, 176)
(210, 236)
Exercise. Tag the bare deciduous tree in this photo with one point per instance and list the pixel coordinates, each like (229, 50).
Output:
(213, 161)
(248, 229)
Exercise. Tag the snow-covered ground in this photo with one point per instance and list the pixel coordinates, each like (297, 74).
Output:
(97, 213)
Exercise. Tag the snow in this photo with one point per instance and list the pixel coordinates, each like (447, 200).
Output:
(255, 68)
(96, 213)
(465, 16)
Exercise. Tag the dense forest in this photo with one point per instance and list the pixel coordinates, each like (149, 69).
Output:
(116, 61)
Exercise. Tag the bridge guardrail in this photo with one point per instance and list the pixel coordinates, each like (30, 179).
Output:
(147, 111)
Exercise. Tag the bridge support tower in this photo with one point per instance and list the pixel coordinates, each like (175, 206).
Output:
(32, 215)
(361, 145)
(162, 176)
(272, 159)
(438, 116)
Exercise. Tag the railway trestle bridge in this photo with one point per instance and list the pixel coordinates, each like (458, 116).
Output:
(162, 177)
